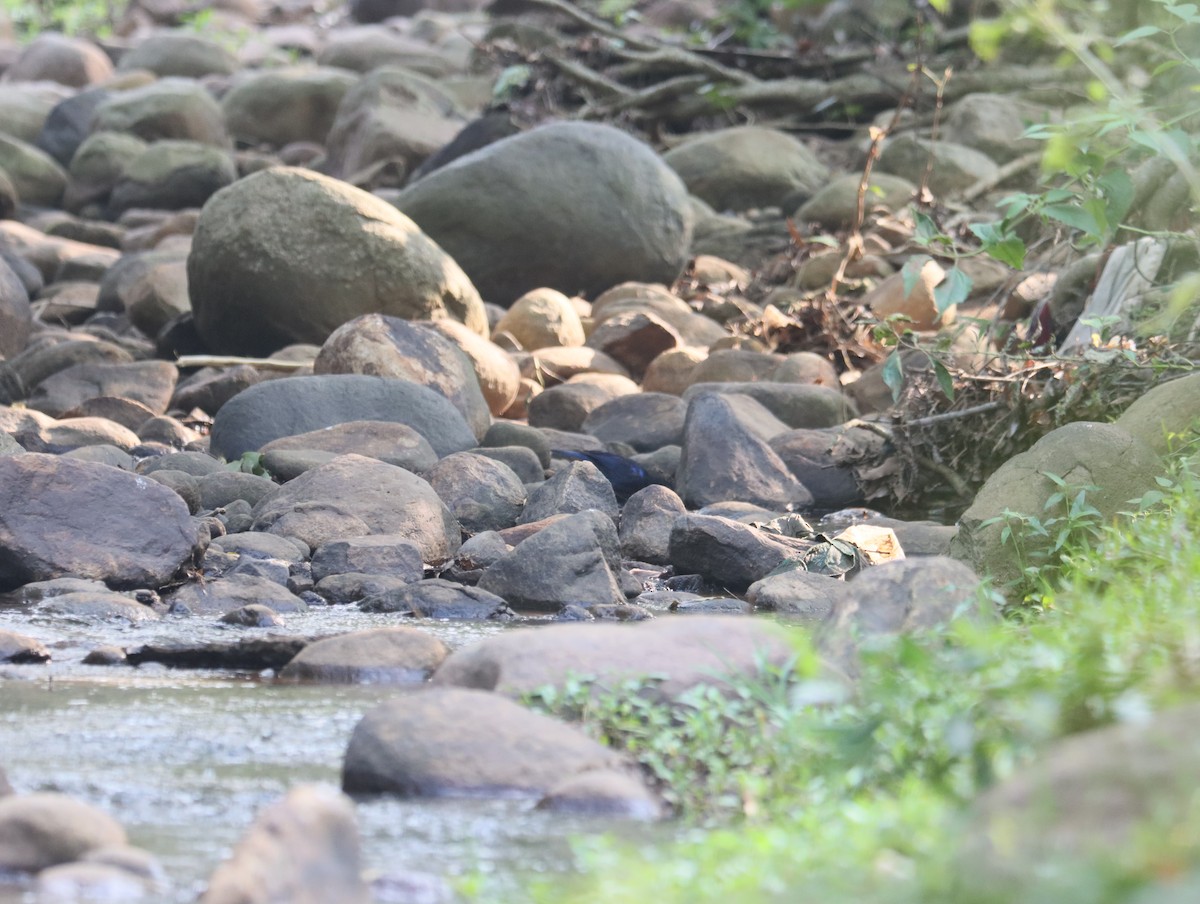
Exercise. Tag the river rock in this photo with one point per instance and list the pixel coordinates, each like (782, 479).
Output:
(991, 123)
(383, 554)
(303, 849)
(236, 591)
(521, 460)
(683, 651)
(55, 258)
(955, 167)
(97, 607)
(899, 596)
(390, 115)
(36, 177)
(60, 517)
(727, 456)
(1119, 465)
(797, 405)
(262, 546)
(24, 107)
(808, 455)
(221, 488)
(5, 787)
(371, 47)
(16, 316)
(583, 206)
(396, 444)
(498, 375)
(198, 464)
(355, 586)
(148, 382)
(384, 346)
(646, 522)
(294, 405)
(482, 493)
(567, 405)
(40, 361)
(170, 108)
(1163, 416)
(644, 421)
(441, 599)
(54, 57)
(577, 487)
(542, 318)
(287, 255)
(277, 107)
(382, 498)
(634, 339)
(393, 655)
(69, 123)
(730, 553)
(835, 206)
(604, 793)
(179, 53)
(172, 175)
(1088, 798)
(18, 649)
(254, 615)
(746, 166)
(84, 881)
(575, 559)
(654, 299)
(446, 741)
(806, 596)
(41, 830)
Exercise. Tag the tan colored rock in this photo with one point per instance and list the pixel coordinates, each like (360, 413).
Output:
(889, 298)
(542, 318)
(498, 374)
(42, 830)
(634, 339)
(55, 58)
(672, 370)
(558, 364)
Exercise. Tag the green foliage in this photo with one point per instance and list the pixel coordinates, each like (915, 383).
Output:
(860, 796)
(1045, 545)
(92, 18)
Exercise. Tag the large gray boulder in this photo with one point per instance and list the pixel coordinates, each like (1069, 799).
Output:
(364, 497)
(1118, 465)
(294, 405)
(391, 655)
(172, 175)
(577, 207)
(303, 850)
(447, 741)
(288, 255)
(60, 517)
(180, 54)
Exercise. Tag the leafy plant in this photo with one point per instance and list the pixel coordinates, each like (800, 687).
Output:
(30, 18)
(1044, 544)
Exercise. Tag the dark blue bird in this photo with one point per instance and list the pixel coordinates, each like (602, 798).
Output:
(625, 475)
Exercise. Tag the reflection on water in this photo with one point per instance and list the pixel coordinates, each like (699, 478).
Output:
(184, 760)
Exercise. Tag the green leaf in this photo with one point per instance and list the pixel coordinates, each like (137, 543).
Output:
(1074, 216)
(1185, 11)
(952, 290)
(911, 271)
(944, 379)
(893, 375)
(942, 6)
(1144, 32)
(1000, 244)
(1118, 193)
(927, 230)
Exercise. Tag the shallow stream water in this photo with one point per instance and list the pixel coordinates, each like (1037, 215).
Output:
(185, 759)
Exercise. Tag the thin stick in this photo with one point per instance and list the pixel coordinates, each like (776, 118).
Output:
(232, 361)
(1010, 169)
